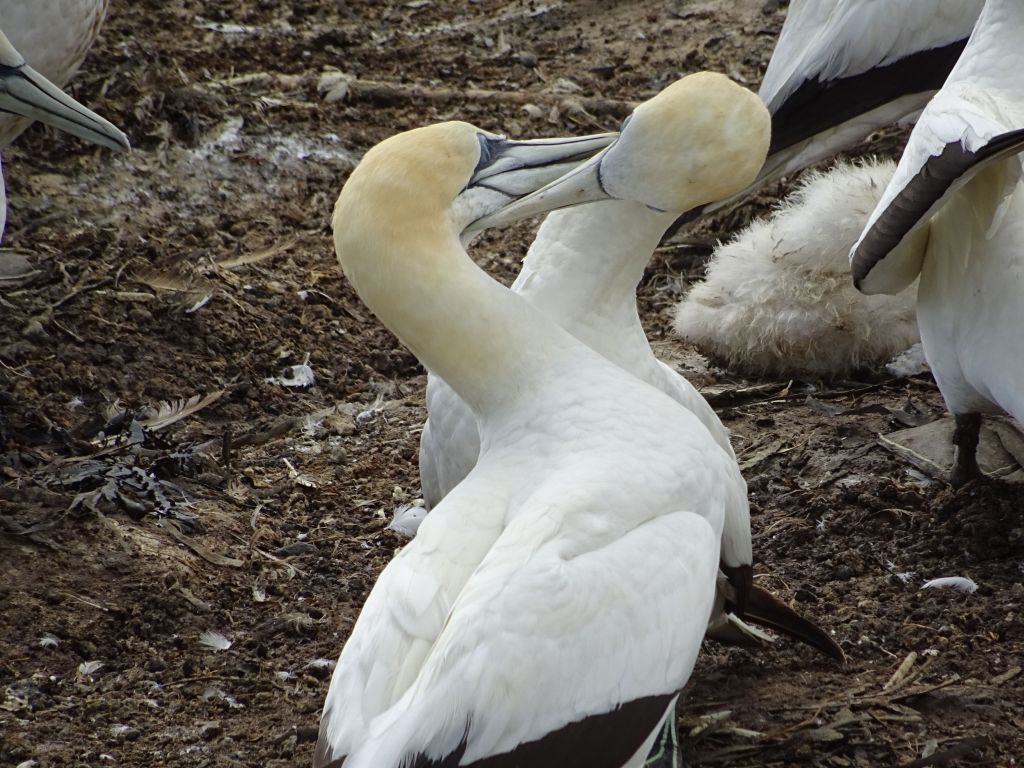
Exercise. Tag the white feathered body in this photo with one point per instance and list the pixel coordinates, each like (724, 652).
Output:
(573, 538)
(971, 300)
(581, 271)
(54, 36)
(778, 298)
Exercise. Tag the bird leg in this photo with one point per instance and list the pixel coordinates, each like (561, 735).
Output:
(965, 454)
(665, 752)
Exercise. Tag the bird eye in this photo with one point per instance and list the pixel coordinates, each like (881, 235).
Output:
(486, 152)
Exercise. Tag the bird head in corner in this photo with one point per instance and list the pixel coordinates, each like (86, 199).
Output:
(703, 138)
(23, 91)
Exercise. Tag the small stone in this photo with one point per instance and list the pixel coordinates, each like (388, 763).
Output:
(287, 748)
(306, 733)
(295, 549)
(140, 316)
(208, 731)
(34, 330)
(127, 733)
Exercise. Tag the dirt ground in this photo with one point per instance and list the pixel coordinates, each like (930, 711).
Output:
(200, 266)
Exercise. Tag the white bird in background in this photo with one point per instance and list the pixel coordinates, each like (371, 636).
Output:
(23, 91)
(551, 608)
(582, 271)
(954, 214)
(777, 298)
(54, 36)
(844, 68)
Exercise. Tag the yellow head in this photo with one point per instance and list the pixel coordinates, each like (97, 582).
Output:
(448, 175)
(702, 138)
(424, 187)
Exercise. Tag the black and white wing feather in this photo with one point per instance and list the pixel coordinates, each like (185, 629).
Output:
(975, 120)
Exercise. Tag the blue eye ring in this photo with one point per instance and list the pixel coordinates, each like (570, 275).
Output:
(486, 152)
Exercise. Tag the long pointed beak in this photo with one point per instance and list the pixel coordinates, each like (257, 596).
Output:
(766, 609)
(24, 91)
(567, 179)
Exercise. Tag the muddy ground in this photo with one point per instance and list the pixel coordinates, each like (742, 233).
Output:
(200, 266)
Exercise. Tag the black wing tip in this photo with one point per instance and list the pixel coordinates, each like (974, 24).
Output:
(922, 193)
(819, 104)
(322, 757)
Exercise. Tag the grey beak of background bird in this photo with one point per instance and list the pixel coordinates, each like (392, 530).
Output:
(580, 185)
(23, 91)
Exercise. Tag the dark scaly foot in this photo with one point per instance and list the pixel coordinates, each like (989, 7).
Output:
(965, 451)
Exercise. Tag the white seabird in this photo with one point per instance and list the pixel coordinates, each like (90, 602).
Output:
(953, 214)
(551, 608)
(584, 265)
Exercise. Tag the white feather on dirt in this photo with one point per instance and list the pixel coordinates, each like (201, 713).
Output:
(407, 519)
(779, 299)
(172, 411)
(214, 640)
(298, 376)
(87, 668)
(908, 363)
(321, 664)
(961, 583)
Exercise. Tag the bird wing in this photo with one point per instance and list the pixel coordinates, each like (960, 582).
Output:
(838, 60)
(449, 443)
(844, 68)
(976, 119)
(401, 619)
(546, 643)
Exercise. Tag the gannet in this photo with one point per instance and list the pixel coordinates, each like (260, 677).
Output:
(551, 607)
(55, 36)
(954, 214)
(582, 271)
(23, 91)
(777, 298)
(844, 68)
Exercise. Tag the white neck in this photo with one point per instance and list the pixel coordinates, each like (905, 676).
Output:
(492, 347)
(583, 270)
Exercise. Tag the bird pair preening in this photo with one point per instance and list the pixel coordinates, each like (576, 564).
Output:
(589, 522)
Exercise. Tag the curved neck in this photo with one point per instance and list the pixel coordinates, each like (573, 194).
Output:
(491, 346)
(583, 270)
